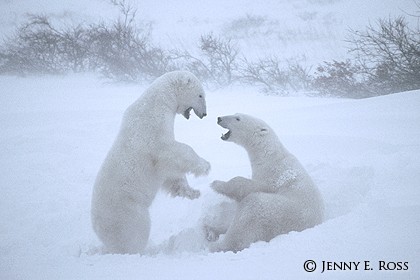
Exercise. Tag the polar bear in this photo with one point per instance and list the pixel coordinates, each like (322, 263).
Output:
(279, 198)
(143, 158)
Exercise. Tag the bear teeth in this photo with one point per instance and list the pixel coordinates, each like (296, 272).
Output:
(187, 113)
(226, 135)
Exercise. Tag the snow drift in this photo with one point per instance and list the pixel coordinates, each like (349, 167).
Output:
(362, 154)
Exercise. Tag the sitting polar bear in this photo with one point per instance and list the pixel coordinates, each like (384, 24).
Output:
(144, 157)
(279, 198)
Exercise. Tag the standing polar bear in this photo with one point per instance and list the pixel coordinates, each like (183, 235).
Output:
(144, 157)
(279, 198)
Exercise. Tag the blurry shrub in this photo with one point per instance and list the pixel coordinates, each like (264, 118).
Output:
(338, 78)
(216, 63)
(123, 52)
(388, 55)
(220, 56)
(120, 51)
(275, 76)
(387, 60)
(37, 47)
(248, 26)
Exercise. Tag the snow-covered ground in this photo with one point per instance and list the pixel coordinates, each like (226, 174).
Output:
(363, 155)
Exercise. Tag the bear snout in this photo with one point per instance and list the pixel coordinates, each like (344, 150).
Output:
(219, 120)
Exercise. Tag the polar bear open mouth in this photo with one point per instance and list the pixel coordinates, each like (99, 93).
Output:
(187, 113)
(226, 135)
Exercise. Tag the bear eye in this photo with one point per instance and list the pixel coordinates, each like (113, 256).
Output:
(200, 96)
(238, 119)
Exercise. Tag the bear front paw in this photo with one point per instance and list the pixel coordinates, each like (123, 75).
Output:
(217, 186)
(202, 169)
(192, 194)
(211, 235)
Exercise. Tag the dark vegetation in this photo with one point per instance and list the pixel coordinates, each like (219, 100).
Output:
(386, 58)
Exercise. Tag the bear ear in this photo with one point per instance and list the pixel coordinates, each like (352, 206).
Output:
(263, 131)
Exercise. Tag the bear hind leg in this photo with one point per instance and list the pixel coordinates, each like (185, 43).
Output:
(252, 223)
(128, 235)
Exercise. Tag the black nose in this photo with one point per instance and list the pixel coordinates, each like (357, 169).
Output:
(219, 119)
(204, 115)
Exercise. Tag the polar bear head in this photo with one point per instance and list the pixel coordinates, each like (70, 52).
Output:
(244, 130)
(189, 93)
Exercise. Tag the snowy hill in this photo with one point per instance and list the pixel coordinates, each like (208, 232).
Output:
(363, 155)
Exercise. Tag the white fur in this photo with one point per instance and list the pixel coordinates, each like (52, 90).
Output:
(144, 157)
(279, 198)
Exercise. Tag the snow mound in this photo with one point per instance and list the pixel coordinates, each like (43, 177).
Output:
(362, 154)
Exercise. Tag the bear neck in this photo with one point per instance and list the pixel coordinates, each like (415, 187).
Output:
(259, 153)
(166, 100)
(157, 100)
(167, 104)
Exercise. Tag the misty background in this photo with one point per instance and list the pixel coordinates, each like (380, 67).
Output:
(311, 47)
